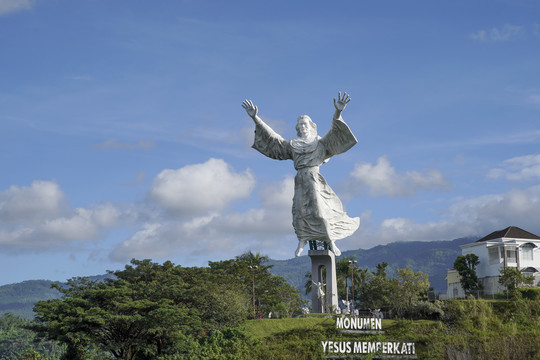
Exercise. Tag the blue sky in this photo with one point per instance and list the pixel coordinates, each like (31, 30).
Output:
(123, 136)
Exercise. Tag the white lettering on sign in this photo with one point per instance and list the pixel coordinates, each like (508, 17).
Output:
(369, 347)
(358, 323)
(351, 324)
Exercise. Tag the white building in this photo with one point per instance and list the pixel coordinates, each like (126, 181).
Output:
(512, 247)
(454, 289)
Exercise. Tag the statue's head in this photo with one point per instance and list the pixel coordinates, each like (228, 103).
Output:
(305, 127)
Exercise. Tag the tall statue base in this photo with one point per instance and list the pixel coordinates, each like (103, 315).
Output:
(323, 259)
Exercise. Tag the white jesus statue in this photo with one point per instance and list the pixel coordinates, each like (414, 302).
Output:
(318, 214)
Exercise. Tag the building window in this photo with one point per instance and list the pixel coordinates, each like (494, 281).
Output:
(527, 252)
(511, 256)
(530, 271)
(493, 255)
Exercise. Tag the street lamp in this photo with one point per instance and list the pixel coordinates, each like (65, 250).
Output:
(253, 268)
(352, 262)
(347, 293)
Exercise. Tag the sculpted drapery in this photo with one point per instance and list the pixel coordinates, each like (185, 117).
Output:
(318, 213)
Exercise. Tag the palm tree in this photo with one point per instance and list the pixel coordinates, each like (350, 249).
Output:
(254, 260)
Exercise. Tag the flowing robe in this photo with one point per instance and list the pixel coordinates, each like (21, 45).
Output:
(317, 211)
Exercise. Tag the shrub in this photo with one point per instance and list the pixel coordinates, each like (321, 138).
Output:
(530, 293)
(428, 310)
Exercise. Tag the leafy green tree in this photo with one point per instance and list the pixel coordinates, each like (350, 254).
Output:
(512, 278)
(32, 354)
(347, 273)
(407, 289)
(466, 267)
(17, 341)
(381, 269)
(146, 311)
(272, 293)
(376, 289)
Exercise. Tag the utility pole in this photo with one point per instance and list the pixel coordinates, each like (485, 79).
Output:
(253, 268)
(347, 294)
(352, 262)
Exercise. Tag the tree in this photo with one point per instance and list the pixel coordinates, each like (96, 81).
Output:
(381, 269)
(17, 341)
(512, 278)
(146, 311)
(252, 259)
(376, 290)
(408, 289)
(308, 283)
(466, 267)
(32, 354)
(271, 293)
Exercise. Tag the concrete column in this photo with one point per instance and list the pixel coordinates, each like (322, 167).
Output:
(320, 259)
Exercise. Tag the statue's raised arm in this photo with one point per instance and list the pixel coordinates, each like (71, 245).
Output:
(341, 103)
(267, 141)
(340, 137)
(251, 110)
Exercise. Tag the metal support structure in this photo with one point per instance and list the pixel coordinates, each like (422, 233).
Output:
(323, 259)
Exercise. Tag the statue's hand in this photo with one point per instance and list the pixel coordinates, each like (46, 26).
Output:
(341, 101)
(250, 108)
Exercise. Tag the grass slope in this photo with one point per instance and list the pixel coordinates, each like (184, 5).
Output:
(470, 329)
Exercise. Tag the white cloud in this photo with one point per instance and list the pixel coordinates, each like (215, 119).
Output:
(504, 33)
(518, 207)
(214, 237)
(8, 6)
(278, 194)
(214, 233)
(77, 226)
(42, 199)
(147, 242)
(37, 218)
(201, 188)
(466, 217)
(518, 168)
(382, 179)
(183, 216)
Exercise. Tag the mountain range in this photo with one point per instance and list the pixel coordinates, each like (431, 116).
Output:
(433, 258)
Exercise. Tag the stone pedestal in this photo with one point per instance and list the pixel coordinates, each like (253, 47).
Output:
(320, 259)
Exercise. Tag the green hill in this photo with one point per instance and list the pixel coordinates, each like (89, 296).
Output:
(19, 298)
